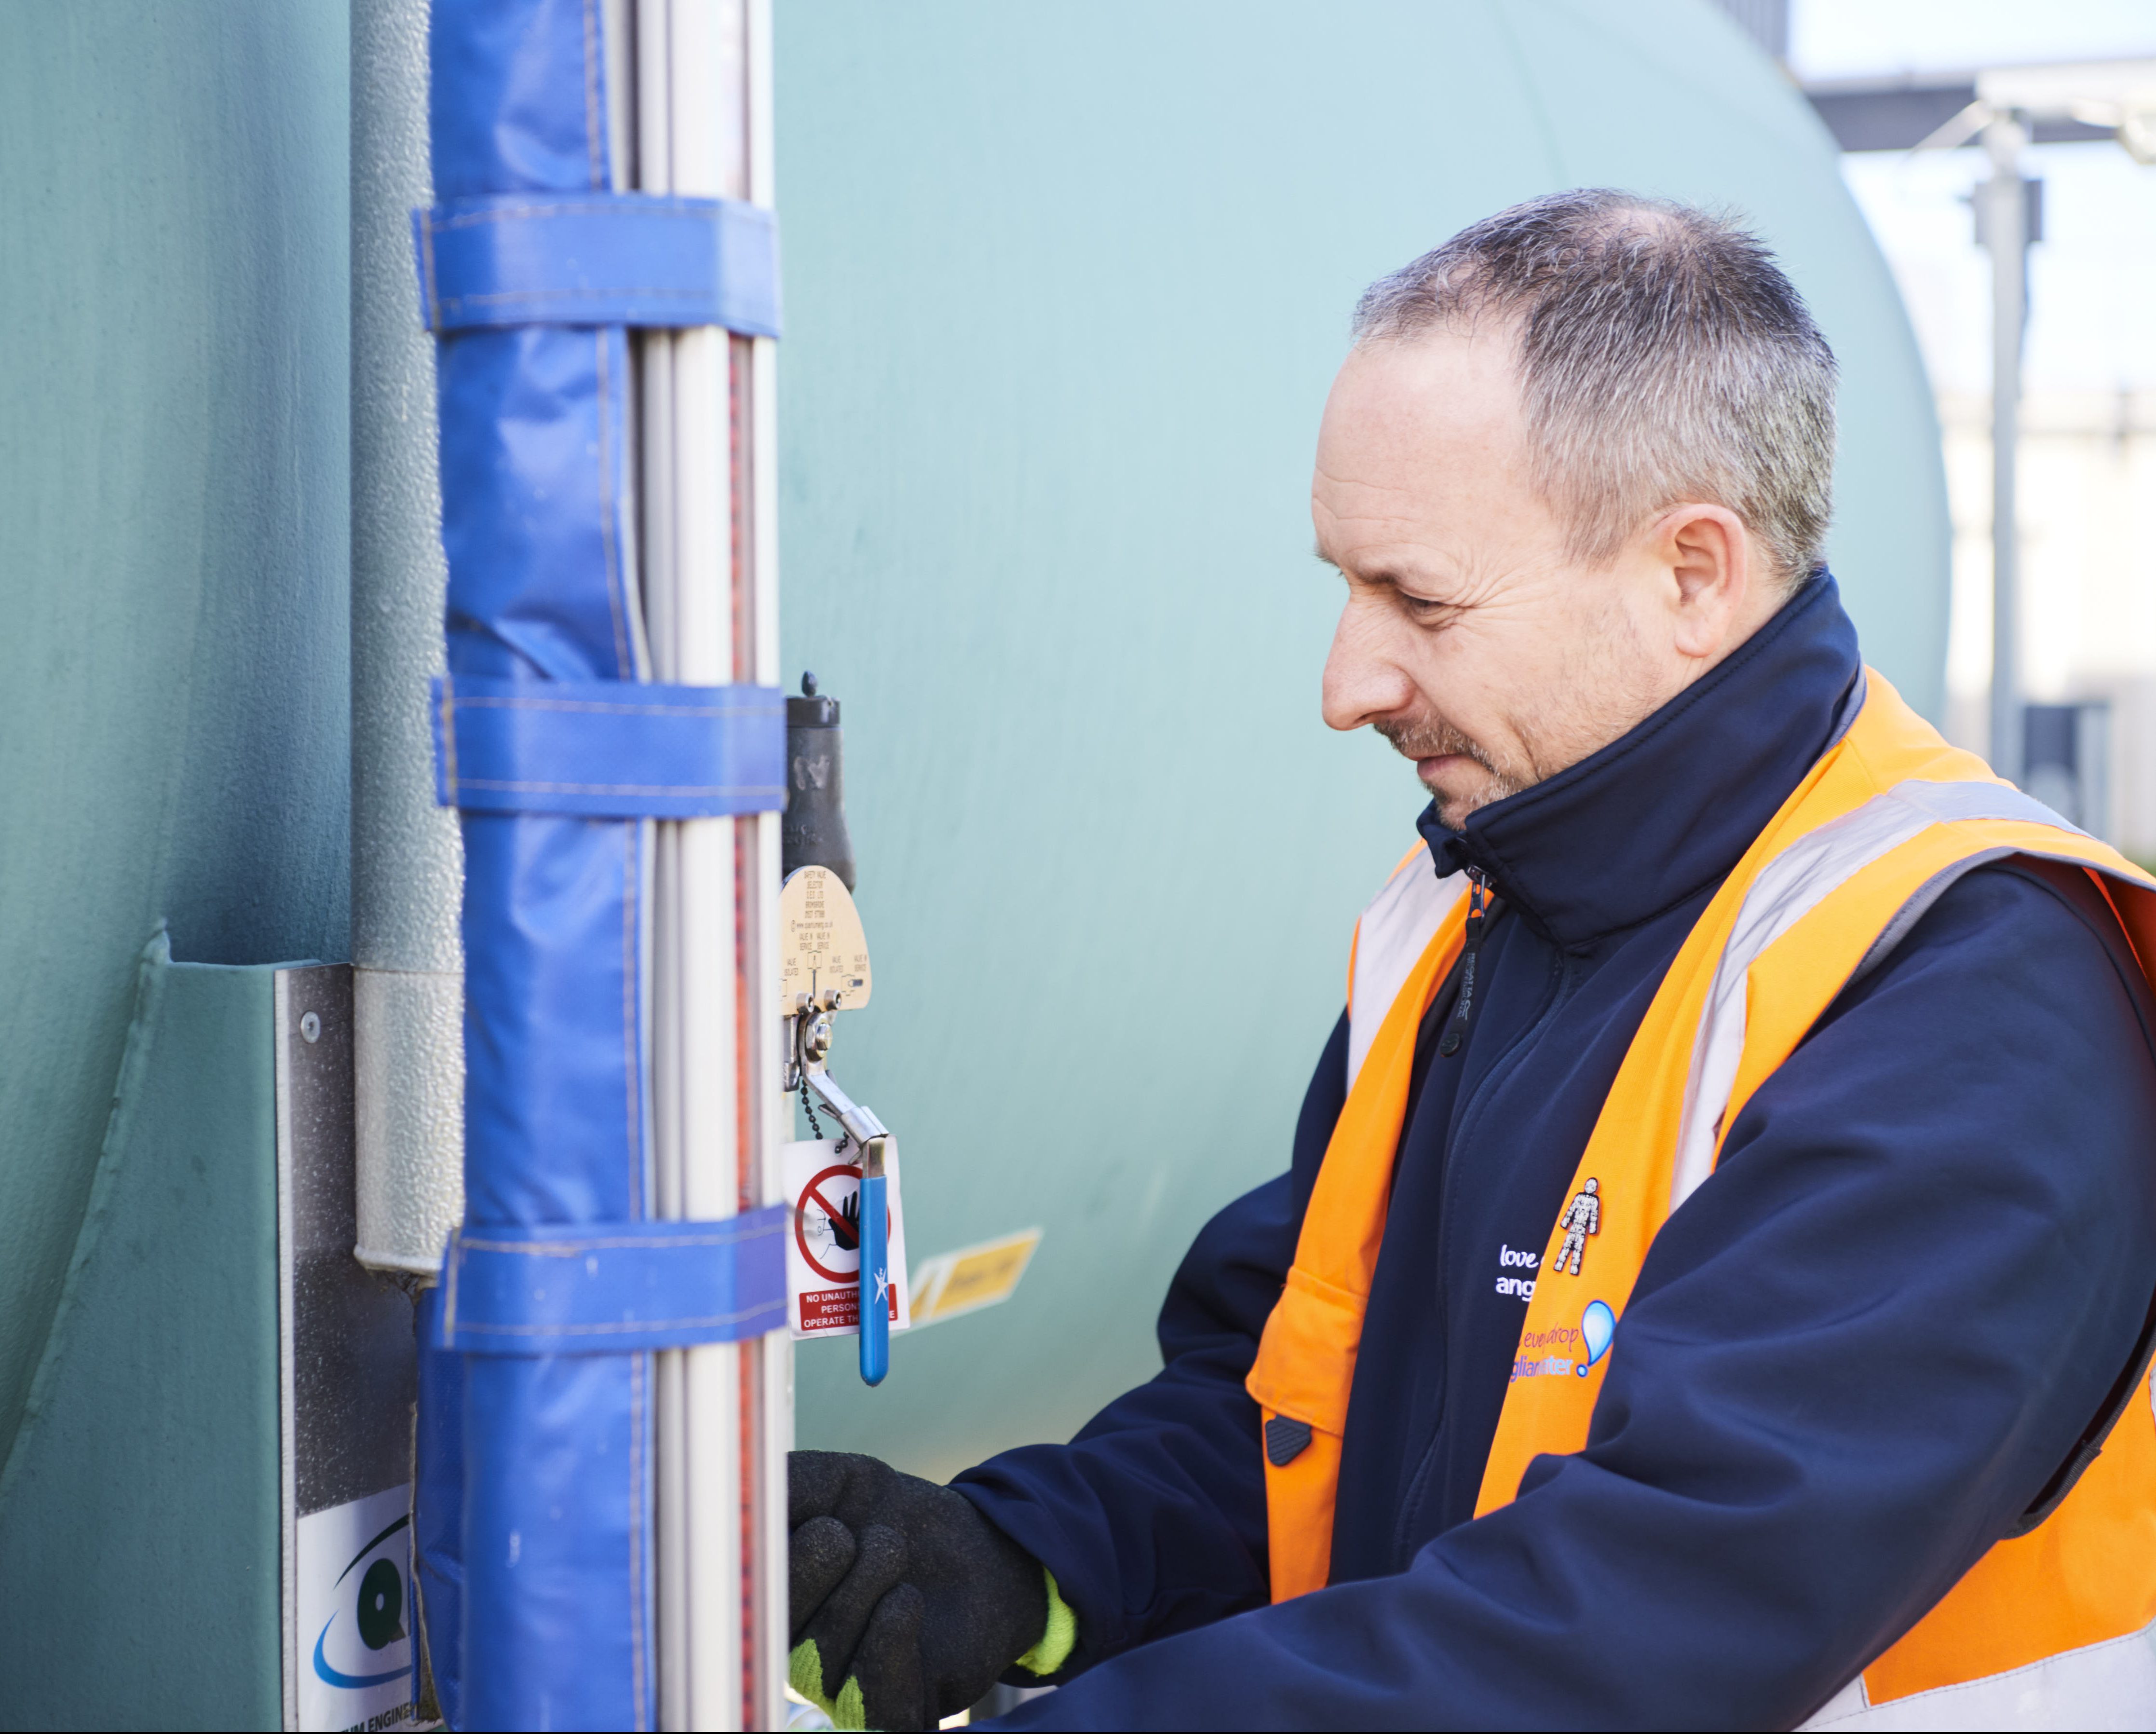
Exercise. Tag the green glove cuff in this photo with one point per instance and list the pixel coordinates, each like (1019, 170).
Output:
(804, 1665)
(1058, 1640)
(804, 1672)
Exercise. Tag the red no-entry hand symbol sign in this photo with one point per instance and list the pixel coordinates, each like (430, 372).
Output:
(828, 1194)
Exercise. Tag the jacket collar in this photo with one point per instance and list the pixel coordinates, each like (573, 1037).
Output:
(1665, 811)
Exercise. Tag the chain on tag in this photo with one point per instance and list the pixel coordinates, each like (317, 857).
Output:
(823, 953)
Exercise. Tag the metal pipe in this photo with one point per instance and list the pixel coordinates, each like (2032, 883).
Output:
(705, 468)
(2004, 228)
(407, 855)
(771, 1118)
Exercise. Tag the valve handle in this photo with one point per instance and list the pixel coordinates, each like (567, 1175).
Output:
(875, 1267)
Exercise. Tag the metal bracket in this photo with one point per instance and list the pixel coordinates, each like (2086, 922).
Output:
(805, 1069)
(347, 1378)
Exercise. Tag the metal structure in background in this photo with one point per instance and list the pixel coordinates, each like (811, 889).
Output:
(2006, 109)
(2009, 220)
(2066, 760)
(700, 124)
(2074, 102)
(1900, 113)
(346, 1378)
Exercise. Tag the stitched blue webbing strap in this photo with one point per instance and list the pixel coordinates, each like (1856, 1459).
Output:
(629, 258)
(614, 1289)
(608, 750)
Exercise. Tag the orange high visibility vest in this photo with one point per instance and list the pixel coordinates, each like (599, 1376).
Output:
(2049, 1628)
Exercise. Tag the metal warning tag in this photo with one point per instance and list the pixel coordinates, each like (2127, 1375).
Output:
(823, 953)
(824, 1248)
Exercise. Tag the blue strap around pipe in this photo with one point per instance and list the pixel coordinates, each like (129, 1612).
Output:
(612, 1287)
(608, 750)
(626, 259)
(550, 1456)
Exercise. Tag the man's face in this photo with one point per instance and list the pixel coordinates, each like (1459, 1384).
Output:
(1471, 639)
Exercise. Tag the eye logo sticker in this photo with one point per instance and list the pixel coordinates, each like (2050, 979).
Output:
(378, 1611)
(355, 1609)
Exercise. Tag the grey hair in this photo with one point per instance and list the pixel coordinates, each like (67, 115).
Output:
(1662, 356)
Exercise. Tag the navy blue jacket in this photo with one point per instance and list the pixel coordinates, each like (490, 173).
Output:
(1851, 1361)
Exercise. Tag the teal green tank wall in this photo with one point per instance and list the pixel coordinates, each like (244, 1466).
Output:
(1066, 287)
(139, 1508)
(173, 480)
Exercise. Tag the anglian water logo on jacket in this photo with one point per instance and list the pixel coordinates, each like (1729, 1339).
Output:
(1567, 1350)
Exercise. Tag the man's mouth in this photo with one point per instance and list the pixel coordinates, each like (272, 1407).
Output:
(1443, 755)
(1432, 746)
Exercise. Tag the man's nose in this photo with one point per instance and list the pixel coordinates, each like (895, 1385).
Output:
(1363, 683)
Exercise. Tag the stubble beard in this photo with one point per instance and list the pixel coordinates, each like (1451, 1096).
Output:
(1416, 740)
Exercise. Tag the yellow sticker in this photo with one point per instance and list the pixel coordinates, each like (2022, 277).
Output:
(822, 950)
(971, 1278)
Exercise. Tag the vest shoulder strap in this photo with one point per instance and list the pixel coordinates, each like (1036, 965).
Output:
(1886, 821)
(1390, 937)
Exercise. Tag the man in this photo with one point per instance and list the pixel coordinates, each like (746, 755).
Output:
(1839, 1040)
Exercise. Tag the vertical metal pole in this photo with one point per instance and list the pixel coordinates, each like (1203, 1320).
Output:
(655, 472)
(767, 1116)
(2004, 228)
(706, 467)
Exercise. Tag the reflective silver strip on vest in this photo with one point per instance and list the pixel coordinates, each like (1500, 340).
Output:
(2103, 1686)
(1791, 886)
(1388, 940)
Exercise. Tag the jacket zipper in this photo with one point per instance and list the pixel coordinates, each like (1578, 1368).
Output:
(1478, 920)
(1463, 1117)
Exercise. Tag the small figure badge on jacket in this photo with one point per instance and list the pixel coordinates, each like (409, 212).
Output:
(1582, 1217)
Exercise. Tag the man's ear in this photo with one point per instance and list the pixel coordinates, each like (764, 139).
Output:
(1713, 588)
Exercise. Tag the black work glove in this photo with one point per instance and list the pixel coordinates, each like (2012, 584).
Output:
(908, 1604)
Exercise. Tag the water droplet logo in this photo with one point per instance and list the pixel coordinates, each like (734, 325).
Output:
(1596, 1325)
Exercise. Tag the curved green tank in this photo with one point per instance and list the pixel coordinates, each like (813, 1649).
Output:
(173, 477)
(1065, 287)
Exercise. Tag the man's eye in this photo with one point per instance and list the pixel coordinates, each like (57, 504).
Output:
(1423, 608)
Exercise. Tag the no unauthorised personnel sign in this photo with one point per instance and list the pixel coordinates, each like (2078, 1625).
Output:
(824, 1248)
